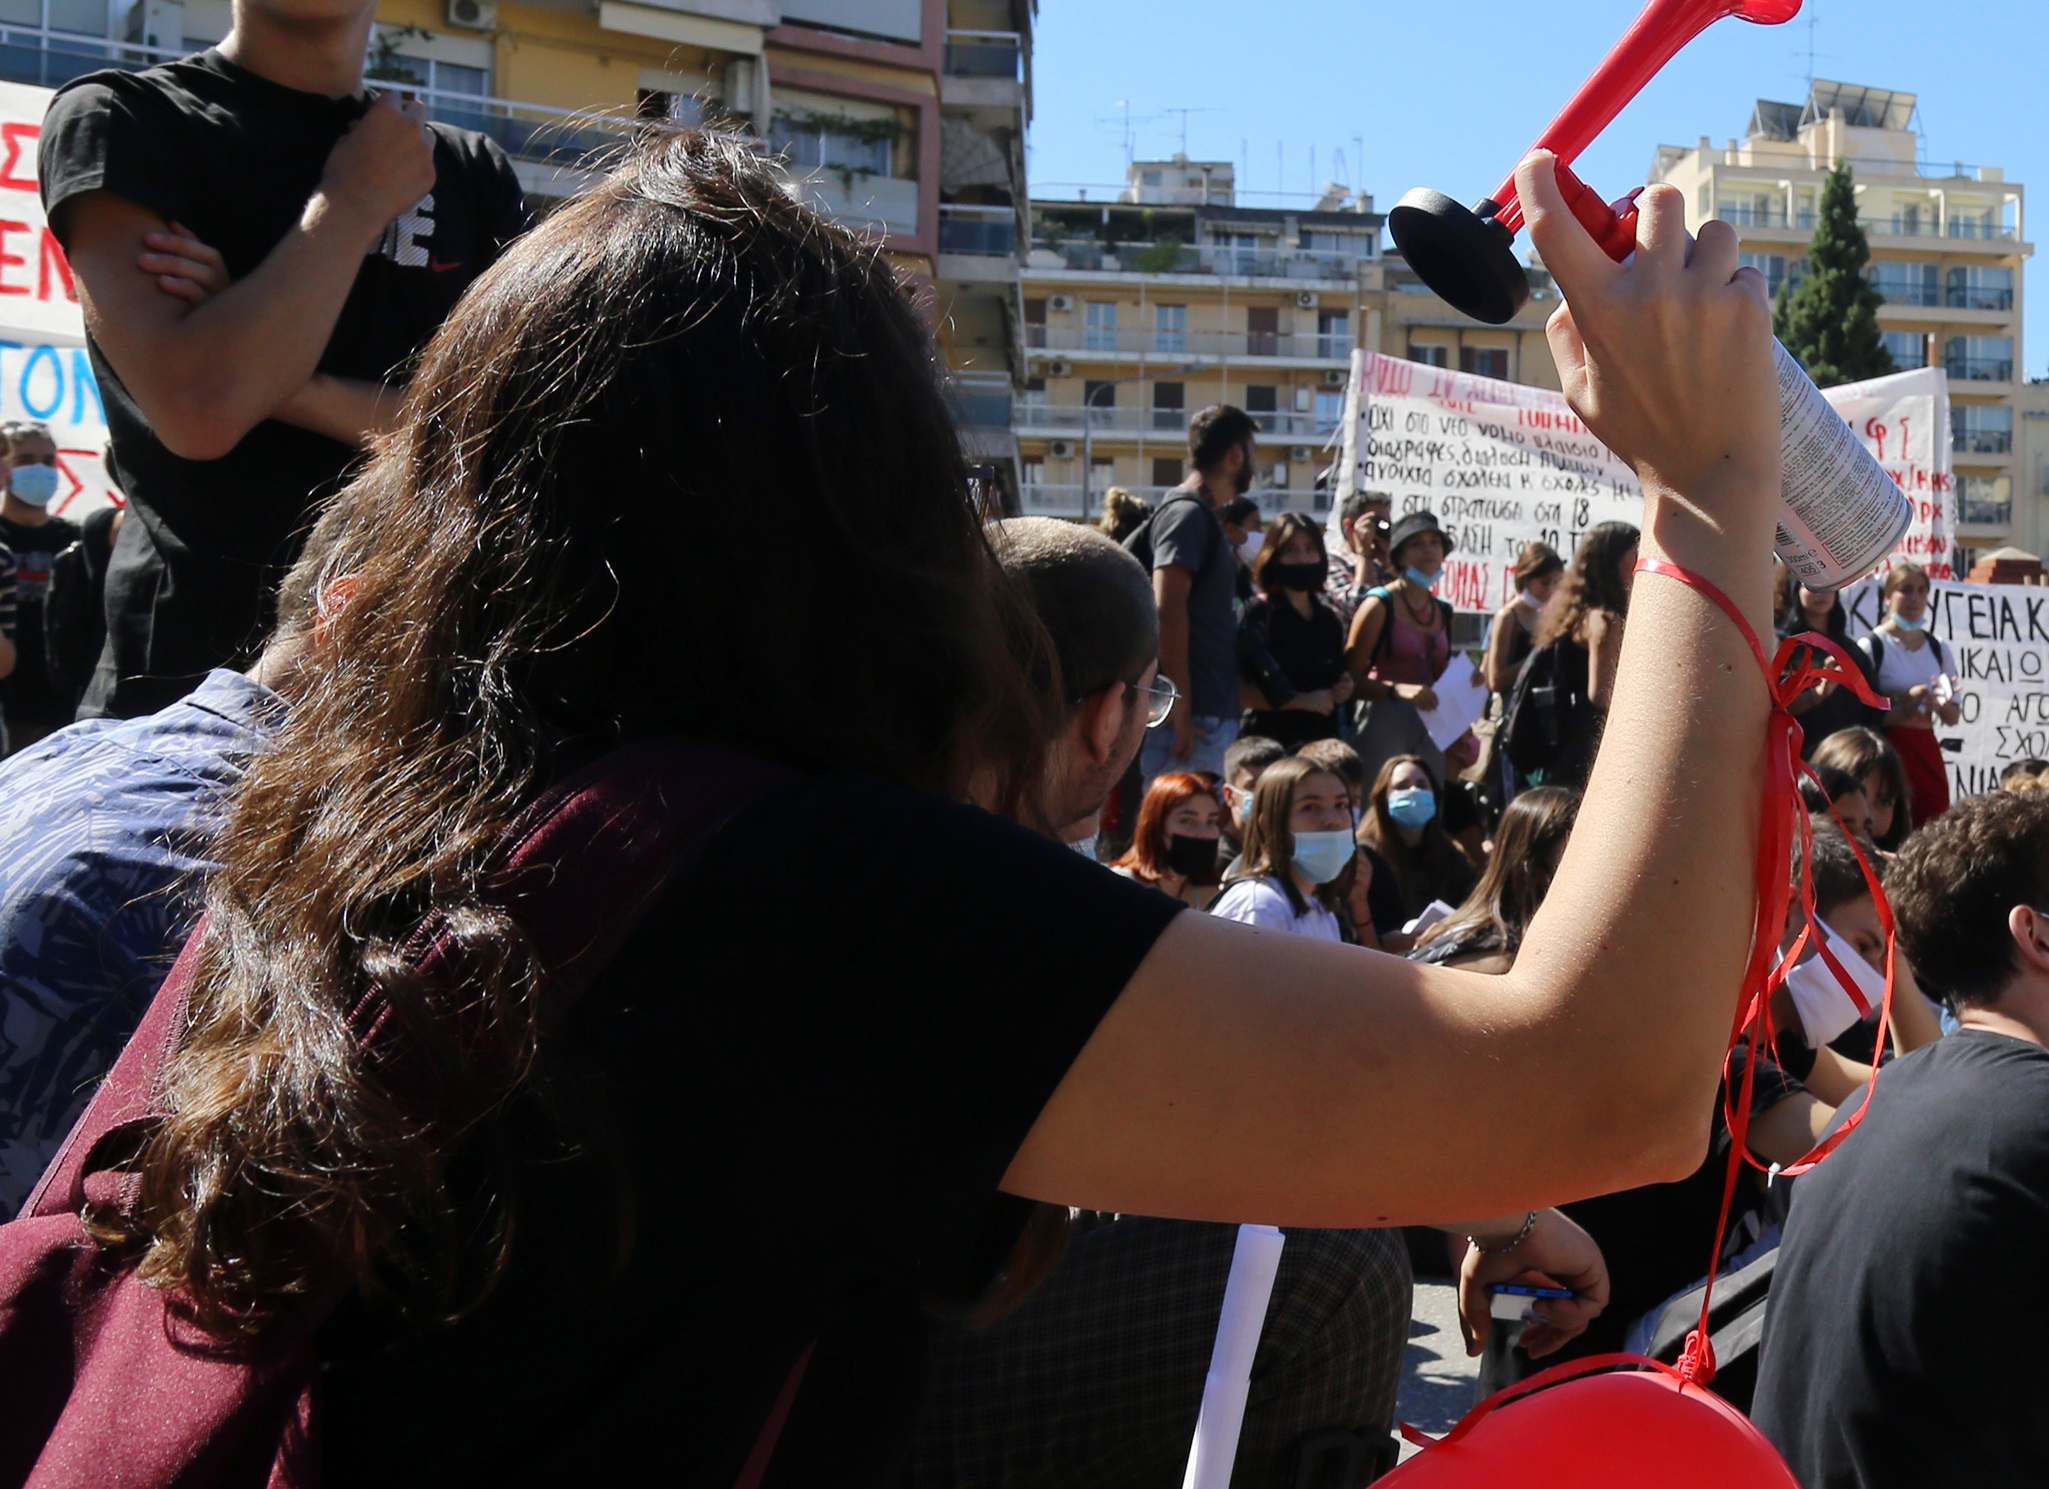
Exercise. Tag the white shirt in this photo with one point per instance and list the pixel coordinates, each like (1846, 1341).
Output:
(1263, 902)
(1900, 669)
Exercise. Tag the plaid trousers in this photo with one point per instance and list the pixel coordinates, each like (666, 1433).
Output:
(1097, 1379)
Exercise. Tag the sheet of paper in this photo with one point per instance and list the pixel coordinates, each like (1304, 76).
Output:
(1461, 699)
(1433, 912)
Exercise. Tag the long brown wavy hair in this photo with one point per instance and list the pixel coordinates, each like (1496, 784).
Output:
(1593, 581)
(559, 550)
(1518, 874)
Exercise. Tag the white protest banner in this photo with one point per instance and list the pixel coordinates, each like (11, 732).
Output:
(45, 374)
(1503, 464)
(1904, 421)
(1998, 636)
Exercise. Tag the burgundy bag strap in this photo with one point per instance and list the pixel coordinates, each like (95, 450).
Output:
(589, 859)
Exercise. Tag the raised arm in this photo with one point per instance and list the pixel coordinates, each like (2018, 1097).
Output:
(1255, 1076)
(205, 375)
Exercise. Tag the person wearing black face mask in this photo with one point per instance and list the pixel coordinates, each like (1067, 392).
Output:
(1179, 834)
(1293, 686)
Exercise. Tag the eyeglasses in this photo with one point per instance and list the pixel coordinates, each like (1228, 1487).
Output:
(1160, 700)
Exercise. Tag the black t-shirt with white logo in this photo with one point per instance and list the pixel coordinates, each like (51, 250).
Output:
(233, 157)
(1901, 1347)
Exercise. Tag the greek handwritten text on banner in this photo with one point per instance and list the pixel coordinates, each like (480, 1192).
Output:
(1502, 464)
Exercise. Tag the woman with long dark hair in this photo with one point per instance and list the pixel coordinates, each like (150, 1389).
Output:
(1868, 758)
(1827, 706)
(1513, 634)
(1412, 858)
(1585, 621)
(1304, 655)
(773, 1134)
(1484, 933)
(1175, 849)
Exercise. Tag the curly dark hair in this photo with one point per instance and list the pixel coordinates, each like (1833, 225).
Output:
(1954, 884)
(1593, 582)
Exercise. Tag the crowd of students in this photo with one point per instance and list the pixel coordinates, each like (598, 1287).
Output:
(881, 1137)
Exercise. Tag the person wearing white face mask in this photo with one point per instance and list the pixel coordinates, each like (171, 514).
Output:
(1400, 644)
(35, 705)
(1298, 840)
(1915, 670)
(1513, 635)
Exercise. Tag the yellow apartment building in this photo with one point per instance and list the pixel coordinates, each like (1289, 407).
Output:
(1948, 245)
(906, 118)
(1172, 293)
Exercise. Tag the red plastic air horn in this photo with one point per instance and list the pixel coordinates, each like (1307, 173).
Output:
(1467, 256)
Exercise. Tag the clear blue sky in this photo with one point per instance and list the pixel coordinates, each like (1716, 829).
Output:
(1299, 75)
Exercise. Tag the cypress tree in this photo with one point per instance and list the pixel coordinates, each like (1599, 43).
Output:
(1831, 321)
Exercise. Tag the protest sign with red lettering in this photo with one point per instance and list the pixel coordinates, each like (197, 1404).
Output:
(1503, 464)
(45, 375)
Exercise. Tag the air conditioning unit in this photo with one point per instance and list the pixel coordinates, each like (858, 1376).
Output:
(1060, 367)
(1060, 302)
(1061, 449)
(473, 15)
(1334, 377)
(1304, 300)
(1300, 452)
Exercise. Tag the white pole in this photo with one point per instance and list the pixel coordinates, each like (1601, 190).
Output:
(1254, 1262)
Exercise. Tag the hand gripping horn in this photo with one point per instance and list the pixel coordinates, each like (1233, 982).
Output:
(1466, 254)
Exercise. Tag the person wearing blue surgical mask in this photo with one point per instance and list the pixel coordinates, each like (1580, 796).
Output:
(1412, 858)
(1298, 843)
(36, 535)
(1399, 646)
(1915, 671)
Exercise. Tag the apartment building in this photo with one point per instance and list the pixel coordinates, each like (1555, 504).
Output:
(906, 117)
(1142, 308)
(1173, 293)
(1947, 249)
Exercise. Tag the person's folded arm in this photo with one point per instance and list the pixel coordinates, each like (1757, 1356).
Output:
(343, 408)
(1246, 1075)
(205, 375)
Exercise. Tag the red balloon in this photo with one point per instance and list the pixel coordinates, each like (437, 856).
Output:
(1631, 1428)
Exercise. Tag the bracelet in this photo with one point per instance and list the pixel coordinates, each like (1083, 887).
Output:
(1521, 1236)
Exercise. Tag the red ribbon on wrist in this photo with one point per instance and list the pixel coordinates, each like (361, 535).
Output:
(1800, 663)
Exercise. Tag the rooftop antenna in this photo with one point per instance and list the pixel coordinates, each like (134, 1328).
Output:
(1813, 9)
(1184, 113)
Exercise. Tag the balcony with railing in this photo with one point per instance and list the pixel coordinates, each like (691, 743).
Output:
(985, 54)
(982, 400)
(1306, 346)
(1973, 439)
(1922, 292)
(987, 232)
(1751, 214)
(1973, 297)
(567, 138)
(1063, 417)
(1979, 369)
(1091, 256)
(1985, 510)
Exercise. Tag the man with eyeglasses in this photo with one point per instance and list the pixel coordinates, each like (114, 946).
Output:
(1097, 607)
